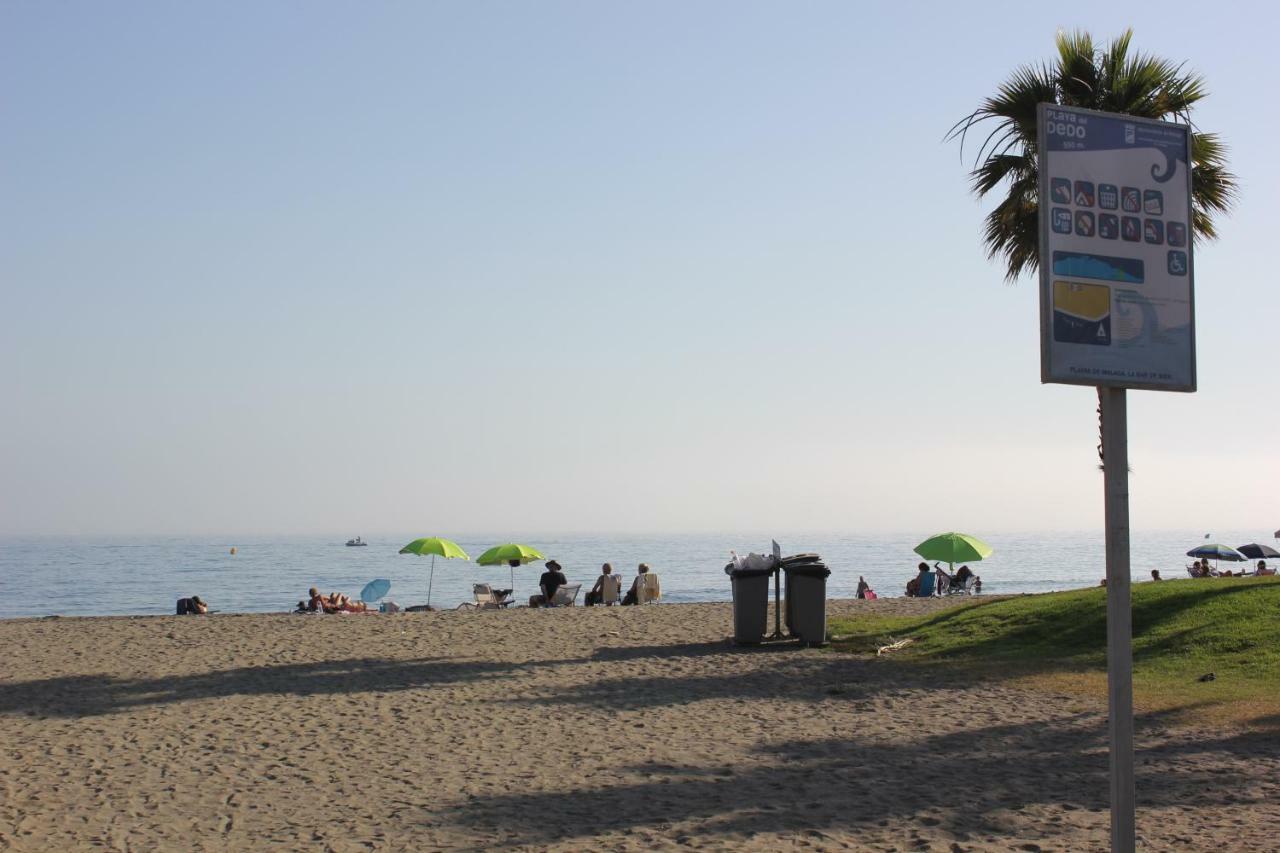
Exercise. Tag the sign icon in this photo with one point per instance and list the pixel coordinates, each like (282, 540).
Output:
(1177, 263)
(1084, 193)
(1084, 223)
(1060, 191)
(1131, 200)
(1153, 231)
(1153, 202)
(1177, 234)
(1131, 229)
(1062, 220)
(1108, 225)
(1108, 196)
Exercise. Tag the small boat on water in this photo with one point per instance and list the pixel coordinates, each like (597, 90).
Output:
(352, 543)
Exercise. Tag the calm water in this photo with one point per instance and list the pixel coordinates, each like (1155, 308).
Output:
(96, 576)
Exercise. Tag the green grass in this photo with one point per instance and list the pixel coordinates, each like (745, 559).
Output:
(1181, 631)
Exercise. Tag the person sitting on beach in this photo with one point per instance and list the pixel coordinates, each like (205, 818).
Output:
(606, 589)
(962, 574)
(191, 606)
(552, 579)
(913, 585)
(1263, 570)
(316, 602)
(1155, 575)
(643, 587)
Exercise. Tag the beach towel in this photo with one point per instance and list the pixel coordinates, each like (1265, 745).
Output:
(869, 594)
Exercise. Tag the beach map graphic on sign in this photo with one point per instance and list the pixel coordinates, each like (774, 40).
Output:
(1115, 251)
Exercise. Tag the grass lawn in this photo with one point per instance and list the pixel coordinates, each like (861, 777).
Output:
(1182, 630)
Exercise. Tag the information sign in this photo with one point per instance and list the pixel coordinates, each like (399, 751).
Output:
(1116, 279)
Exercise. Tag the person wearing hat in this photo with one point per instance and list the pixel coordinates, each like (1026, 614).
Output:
(552, 579)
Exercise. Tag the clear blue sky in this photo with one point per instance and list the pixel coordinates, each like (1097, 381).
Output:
(456, 267)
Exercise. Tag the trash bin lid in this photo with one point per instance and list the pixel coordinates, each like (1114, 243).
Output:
(810, 570)
(801, 558)
(750, 573)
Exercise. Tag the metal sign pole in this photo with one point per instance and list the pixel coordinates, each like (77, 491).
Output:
(1115, 461)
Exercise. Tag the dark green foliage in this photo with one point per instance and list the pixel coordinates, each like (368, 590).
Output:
(1110, 79)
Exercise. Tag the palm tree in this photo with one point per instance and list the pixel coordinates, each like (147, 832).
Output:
(1110, 80)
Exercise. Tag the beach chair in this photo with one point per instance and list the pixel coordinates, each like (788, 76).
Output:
(648, 588)
(965, 587)
(487, 599)
(926, 585)
(610, 589)
(566, 596)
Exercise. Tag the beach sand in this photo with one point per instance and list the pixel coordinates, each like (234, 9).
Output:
(607, 729)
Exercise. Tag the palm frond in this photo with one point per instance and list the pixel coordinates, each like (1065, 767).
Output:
(1113, 78)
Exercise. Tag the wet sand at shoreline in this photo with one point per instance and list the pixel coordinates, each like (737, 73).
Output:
(583, 728)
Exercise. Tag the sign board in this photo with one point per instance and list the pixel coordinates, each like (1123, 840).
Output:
(1116, 278)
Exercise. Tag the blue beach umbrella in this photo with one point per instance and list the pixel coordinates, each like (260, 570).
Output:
(1215, 552)
(374, 590)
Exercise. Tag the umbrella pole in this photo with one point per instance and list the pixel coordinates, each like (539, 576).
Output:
(431, 579)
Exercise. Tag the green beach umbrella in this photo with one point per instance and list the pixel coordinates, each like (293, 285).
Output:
(952, 548)
(511, 554)
(436, 547)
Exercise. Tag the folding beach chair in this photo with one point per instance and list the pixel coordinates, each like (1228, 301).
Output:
(926, 585)
(649, 588)
(965, 587)
(610, 589)
(566, 596)
(487, 599)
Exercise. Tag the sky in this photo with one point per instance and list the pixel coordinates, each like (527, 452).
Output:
(343, 268)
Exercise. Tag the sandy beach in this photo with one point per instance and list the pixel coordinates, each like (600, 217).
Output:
(610, 729)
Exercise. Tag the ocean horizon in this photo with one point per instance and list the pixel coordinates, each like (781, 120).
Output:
(145, 575)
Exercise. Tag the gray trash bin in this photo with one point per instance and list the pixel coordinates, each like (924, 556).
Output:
(807, 602)
(750, 604)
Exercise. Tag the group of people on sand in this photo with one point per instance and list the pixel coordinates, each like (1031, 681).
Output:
(943, 581)
(606, 591)
(334, 602)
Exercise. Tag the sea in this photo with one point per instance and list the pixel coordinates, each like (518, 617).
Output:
(101, 575)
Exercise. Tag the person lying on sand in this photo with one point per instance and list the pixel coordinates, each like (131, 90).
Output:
(341, 602)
